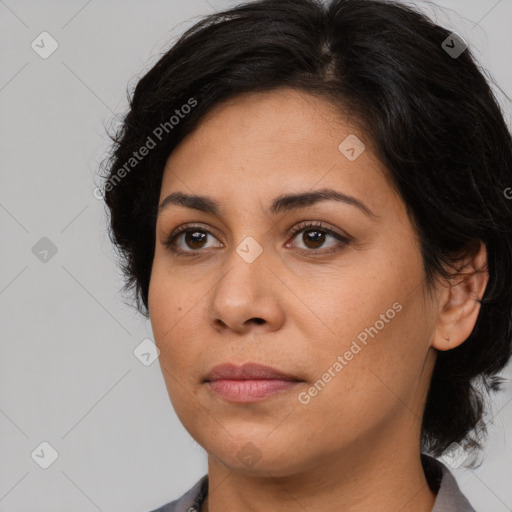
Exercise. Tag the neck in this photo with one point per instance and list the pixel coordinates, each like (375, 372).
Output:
(367, 476)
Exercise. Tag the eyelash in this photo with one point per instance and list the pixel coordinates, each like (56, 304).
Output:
(303, 226)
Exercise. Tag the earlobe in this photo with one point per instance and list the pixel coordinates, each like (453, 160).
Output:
(459, 309)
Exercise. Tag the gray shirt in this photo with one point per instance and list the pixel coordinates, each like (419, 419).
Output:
(449, 497)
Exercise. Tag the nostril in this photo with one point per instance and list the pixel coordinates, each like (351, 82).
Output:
(258, 320)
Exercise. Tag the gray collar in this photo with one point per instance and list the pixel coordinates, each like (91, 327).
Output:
(450, 498)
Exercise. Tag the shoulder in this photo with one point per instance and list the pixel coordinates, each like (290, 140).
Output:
(191, 501)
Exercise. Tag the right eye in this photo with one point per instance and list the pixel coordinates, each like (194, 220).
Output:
(190, 236)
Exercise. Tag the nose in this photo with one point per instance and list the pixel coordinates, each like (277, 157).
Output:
(246, 297)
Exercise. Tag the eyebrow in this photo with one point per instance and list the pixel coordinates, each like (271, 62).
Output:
(280, 204)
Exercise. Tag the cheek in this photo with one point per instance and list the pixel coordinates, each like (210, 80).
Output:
(171, 326)
(371, 360)
(355, 306)
(367, 378)
(168, 314)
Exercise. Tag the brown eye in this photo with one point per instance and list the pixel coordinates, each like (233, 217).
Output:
(315, 236)
(188, 240)
(195, 239)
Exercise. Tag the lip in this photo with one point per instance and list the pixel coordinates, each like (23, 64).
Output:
(247, 371)
(249, 382)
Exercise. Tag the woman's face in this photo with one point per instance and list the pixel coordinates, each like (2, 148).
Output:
(347, 317)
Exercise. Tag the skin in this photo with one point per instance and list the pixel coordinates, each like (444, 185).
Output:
(355, 445)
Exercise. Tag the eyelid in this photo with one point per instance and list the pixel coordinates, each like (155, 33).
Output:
(320, 225)
(190, 226)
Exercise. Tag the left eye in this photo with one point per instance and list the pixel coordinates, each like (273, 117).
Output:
(314, 237)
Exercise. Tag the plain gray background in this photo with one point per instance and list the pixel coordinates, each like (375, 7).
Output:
(68, 373)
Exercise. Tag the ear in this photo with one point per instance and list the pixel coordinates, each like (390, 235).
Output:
(459, 305)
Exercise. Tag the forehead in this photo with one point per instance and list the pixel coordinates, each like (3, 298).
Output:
(273, 120)
(264, 143)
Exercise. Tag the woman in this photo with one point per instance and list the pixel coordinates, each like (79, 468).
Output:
(310, 203)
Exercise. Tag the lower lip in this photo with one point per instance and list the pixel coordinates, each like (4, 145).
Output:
(245, 391)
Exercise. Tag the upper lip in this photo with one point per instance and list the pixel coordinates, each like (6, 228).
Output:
(247, 371)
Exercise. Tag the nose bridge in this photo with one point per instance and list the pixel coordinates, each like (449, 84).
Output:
(246, 271)
(245, 290)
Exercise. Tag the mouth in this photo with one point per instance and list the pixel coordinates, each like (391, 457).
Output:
(248, 383)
